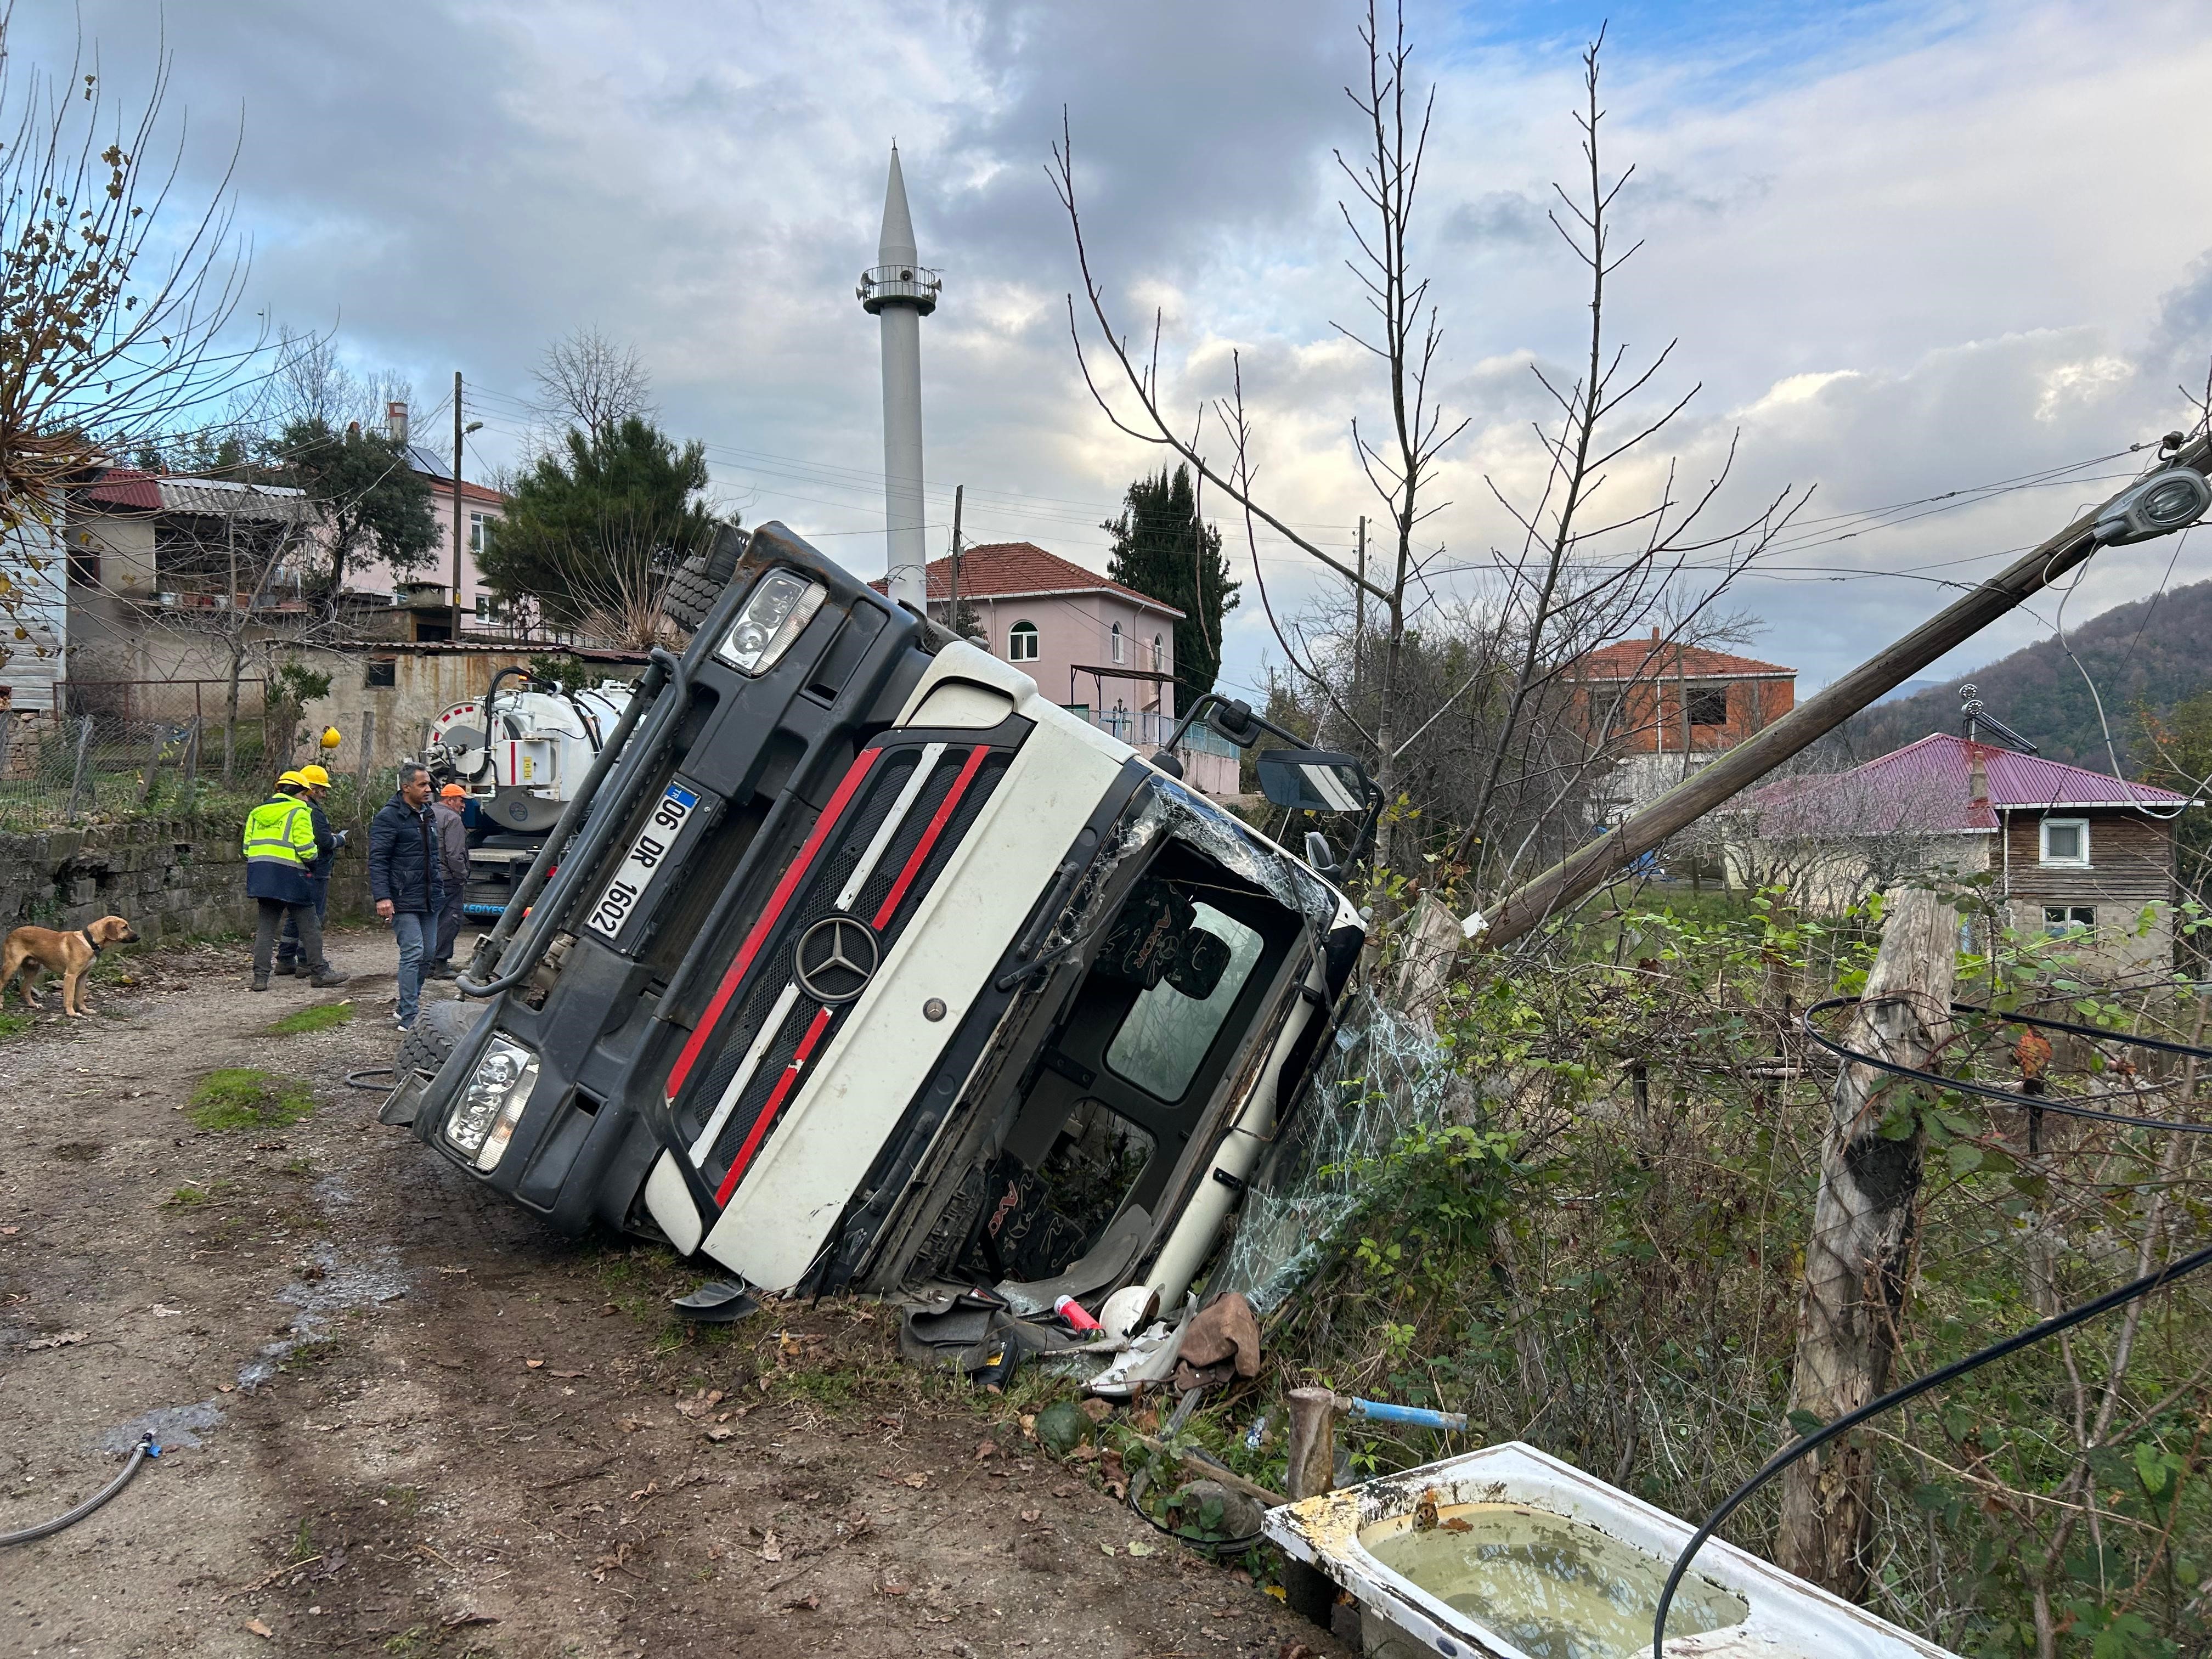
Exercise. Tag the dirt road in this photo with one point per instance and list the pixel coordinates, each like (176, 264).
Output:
(403, 1420)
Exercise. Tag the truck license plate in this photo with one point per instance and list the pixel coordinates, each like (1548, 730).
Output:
(646, 853)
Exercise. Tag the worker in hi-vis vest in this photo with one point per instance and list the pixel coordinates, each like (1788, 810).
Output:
(280, 854)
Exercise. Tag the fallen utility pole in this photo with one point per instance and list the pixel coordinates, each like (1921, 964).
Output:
(1528, 907)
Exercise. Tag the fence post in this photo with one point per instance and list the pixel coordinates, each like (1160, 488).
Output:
(192, 759)
(153, 763)
(7, 738)
(368, 750)
(76, 778)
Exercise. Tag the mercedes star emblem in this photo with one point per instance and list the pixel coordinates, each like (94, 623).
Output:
(836, 958)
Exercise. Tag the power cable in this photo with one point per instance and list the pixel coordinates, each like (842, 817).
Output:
(2063, 1106)
(1811, 1443)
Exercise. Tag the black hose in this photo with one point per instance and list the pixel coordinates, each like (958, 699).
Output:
(2011, 1097)
(146, 1448)
(1849, 1420)
(390, 1074)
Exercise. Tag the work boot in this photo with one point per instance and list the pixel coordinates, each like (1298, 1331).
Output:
(441, 970)
(286, 969)
(260, 981)
(325, 977)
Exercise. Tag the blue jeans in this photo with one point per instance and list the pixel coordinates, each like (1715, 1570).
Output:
(416, 935)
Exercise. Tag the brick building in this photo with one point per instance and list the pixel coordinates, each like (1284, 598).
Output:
(1663, 710)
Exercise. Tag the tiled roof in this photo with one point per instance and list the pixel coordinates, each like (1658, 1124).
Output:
(1928, 786)
(126, 486)
(1649, 659)
(1023, 570)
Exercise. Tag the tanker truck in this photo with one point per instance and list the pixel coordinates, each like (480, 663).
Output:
(519, 750)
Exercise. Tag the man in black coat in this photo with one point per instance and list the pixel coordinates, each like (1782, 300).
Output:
(405, 880)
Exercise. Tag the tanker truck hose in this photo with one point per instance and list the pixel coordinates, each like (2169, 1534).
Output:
(667, 670)
(146, 1448)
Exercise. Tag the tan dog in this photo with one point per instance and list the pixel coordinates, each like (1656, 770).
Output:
(35, 950)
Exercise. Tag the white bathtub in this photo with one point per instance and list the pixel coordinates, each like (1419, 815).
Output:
(1789, 1619)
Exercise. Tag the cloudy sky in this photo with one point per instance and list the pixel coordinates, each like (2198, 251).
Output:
(1906, 249)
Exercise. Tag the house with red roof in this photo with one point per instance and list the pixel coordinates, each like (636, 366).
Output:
(2068, 852)
(1100, 649)
(1662, 710)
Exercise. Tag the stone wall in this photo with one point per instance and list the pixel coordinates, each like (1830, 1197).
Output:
(167, 877)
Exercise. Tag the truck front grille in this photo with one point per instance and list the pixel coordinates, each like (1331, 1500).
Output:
(892, 835)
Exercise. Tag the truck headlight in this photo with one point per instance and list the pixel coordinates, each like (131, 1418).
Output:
(482, 1120)
(783, 602)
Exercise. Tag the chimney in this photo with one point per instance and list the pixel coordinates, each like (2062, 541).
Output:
(395, 421)
(1654, 634)
(1978, 778)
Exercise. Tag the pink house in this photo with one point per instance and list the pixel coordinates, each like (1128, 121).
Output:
(1091, 644)
(481, 509)
(1102, 650)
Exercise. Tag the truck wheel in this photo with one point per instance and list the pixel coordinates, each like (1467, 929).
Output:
(439, 1028)
(700, 580)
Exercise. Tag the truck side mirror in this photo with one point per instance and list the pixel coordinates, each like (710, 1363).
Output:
(1318, 854)
(1313, 780)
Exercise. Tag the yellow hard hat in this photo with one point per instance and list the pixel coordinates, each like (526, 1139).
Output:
(331, 738)
(316, 776)
(292, 777)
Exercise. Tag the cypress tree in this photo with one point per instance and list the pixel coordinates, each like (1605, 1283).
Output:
(1164, 550)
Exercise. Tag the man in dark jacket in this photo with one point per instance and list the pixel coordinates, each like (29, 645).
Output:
(280, 847)
(405, 880)
(327, 842)
(454, 866)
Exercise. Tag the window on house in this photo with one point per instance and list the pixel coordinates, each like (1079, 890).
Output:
(2063, 919)
(381, 670)
(1117, 642)
(84, 565)
(1709, 705)
(487, 609)
(2066, 840)
(1160, 654)
(480, 524)
(1022, 642)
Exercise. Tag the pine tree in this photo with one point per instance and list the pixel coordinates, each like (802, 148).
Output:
(1163, 550)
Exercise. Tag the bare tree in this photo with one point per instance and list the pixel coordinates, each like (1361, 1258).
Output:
(1580, 572)
(588, 381)
(113, 287)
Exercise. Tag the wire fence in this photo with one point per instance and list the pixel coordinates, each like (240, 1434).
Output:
(106, 768)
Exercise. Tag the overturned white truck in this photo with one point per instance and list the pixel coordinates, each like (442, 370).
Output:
(855, 961)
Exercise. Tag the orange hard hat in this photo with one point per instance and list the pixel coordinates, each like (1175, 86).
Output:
(453, 792)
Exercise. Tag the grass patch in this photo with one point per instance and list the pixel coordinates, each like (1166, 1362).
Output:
(13, 1022)
(315, 1017)
(241, 1098)
(195, 1193)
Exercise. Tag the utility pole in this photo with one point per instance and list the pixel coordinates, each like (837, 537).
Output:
(952, 616)
(1359, 614)
(456, 503)
(1858, 1261)
(1528, 907)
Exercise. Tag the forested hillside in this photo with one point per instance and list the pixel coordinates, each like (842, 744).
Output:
(2150, 653)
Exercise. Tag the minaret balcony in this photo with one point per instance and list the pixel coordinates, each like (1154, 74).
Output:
(899, 285)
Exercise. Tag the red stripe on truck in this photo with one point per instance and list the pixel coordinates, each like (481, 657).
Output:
(777, 901)
(916, 859)
(772, 1105)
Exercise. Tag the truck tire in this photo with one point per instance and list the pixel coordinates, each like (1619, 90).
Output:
(700, 580)
(439, 1027)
